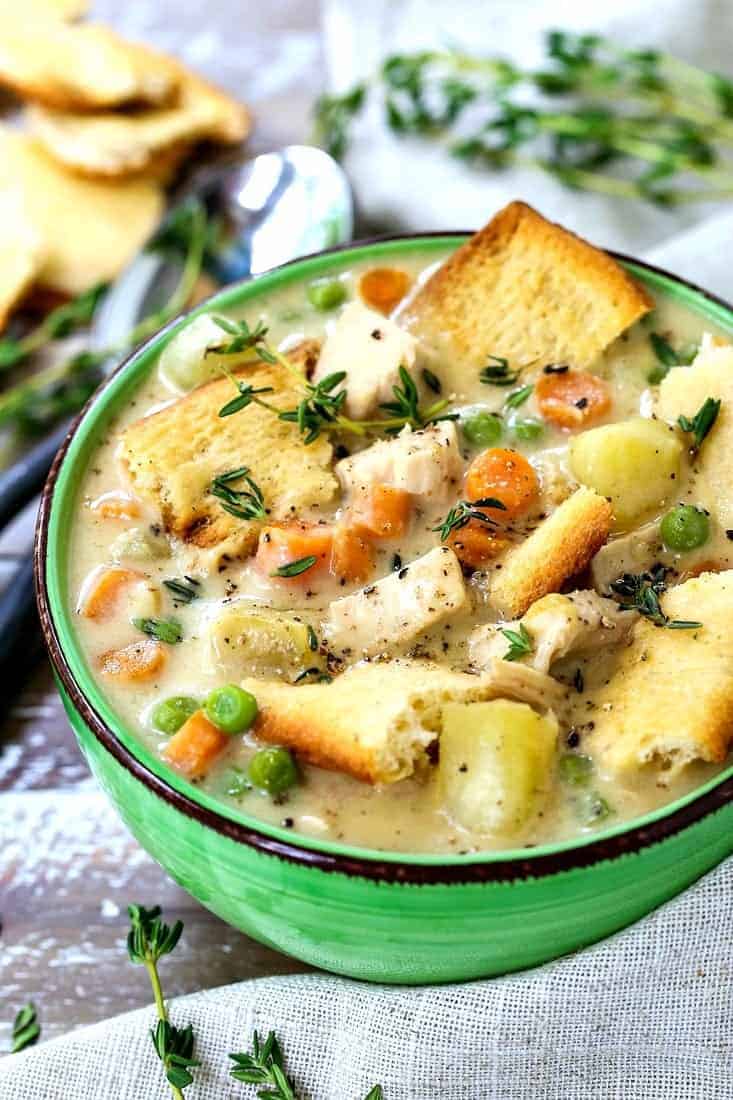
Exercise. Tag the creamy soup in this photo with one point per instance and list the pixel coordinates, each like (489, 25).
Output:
(232, 618)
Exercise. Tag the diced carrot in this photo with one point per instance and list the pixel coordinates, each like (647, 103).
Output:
(352, 558)
(280, 546)
(137, 661)
(475, 544)
(196, 745)
(383, 288)
(384, 511)
(102, 590)
(116, 506)
(506, 476)
(572, 399)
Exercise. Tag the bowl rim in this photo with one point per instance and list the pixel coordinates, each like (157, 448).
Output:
(392, 867)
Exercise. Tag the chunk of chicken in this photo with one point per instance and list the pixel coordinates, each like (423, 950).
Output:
(399, 607)
(581, 622)
(636, 552)
(370, 348)
(425, 463)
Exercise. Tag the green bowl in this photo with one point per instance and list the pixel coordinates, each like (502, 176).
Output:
(387, 917)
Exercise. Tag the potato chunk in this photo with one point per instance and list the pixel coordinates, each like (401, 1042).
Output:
(496, 763)
(635, 463)
(246, 641)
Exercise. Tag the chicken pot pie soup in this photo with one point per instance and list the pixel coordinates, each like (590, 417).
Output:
(427, 557)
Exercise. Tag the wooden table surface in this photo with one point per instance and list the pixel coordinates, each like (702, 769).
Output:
(68, 867)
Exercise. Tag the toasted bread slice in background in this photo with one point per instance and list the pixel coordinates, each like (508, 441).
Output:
(173, 456)
(560, 547)
(59, 9)
(79, 68)
(527, 290)
(376, 720)
(670, 698)
(90, 230)
(682, 393)
(22, 255)
(117, 144)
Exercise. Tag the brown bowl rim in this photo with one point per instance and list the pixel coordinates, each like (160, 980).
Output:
(630, 841)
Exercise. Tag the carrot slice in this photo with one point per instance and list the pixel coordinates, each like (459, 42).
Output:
(572, 399)
(352, 558)
(196, 745)
(138, 661)
(116, 506)
(383, 511)
(475, 544)
(383, 288)
(102, 590)
(505, 475)
(280, 546)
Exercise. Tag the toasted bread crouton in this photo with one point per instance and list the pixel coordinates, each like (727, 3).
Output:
(670, 698)
(116, 144)
(79, 68)
(560, 547)
(90, 230)
(376, 720)
(399, 607)
(173, 456)
(682, 393)
(22, 255)
(528, 290)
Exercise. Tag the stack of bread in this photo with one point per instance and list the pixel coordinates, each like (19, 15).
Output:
(104, 126)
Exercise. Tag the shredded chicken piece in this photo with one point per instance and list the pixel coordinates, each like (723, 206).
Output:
(633, 553)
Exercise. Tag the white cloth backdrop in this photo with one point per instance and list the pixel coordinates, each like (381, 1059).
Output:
(647, 1015)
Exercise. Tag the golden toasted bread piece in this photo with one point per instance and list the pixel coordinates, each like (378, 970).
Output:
(173, 456)
(126, 144)
(90, 230)
(376, 720)
(79, 68)
(560, 547)
(528, 290)
(60, 9)
(682, 393)
(21, 255)
(670, 698)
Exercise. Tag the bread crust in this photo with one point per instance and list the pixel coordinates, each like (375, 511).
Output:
(559, 548)
(526, 289)
(670, 698)
(172, 456)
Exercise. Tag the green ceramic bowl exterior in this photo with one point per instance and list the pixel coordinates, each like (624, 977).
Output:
(386, 917)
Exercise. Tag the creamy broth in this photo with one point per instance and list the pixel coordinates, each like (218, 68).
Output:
(406, 815)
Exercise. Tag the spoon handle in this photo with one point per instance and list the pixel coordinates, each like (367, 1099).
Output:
(21, 481)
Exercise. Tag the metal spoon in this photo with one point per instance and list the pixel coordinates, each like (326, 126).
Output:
(278, 206)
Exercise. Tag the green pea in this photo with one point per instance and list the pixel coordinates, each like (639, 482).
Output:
(170, 714)
(597, 809)
(685, 528)
(575, 768)
(230, 708)
(326, 294)
(482, 429)
(273, 770)
(528, 429)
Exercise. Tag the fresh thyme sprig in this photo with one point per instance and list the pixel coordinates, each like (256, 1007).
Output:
(405, 409)
(148, 940)
(163, 630)
(60, 322)
(26, 1029)
(701, 423)
(264, 1065)
(185, 590)
(520, 643)
(464, 511)
(497, 372)
(248, 504)
(518, 397)
(641, 591)
(629, 123)
(295, 568)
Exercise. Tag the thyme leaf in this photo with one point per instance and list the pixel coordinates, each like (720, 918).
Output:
(243, 338)
(641, 592)
(163, 630)
(518, 397)
(497, 372)
(432, 381)
(247, 504)
(26, 1029)
(700, 424)
(464, 511)
(185, 590)
(520, 643)
(295, 568)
